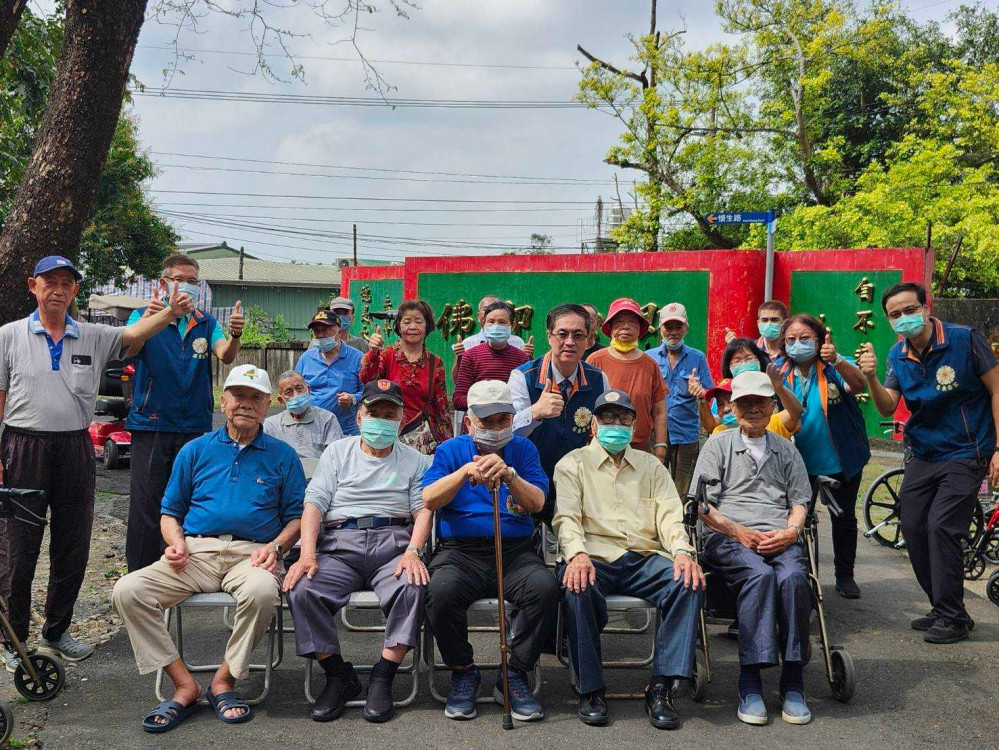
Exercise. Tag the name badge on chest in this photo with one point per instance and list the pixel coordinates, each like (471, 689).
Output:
(82, 359)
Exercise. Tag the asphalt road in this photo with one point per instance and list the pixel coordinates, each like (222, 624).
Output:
(909, 694)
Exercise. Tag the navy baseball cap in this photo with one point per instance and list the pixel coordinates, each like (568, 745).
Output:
(54, 263)
(614, 398)
(381, 390)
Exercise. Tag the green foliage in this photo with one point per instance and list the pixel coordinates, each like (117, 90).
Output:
(261, 330)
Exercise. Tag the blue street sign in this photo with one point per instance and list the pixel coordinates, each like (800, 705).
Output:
(747, 217)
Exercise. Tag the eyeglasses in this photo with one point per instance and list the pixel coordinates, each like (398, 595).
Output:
(625, 420)
(182, 279)
(910, 310)
(802, 339)
(566, 335)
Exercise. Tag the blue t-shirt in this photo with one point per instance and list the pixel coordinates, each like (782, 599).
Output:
(216, 488)
(681, 408)
(813, 439)
(181, 324)
(328, 380)
(470, 513)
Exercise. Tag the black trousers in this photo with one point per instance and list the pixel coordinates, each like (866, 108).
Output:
(938, 502)
(151, 462)
(464, 571)
(844, 526)
(62, 464)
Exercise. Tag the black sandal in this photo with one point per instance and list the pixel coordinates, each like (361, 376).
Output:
(227, 702)
(172, 711)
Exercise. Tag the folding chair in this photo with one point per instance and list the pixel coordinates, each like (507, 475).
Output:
(222, 600)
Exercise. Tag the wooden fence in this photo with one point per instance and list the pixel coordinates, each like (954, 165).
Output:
(275, 359)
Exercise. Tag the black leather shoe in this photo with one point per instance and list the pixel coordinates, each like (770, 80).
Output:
(659, 706)
(593, 708)
(341, 686)
(923, 624)
(946, 632)
(733, 630)
(378, 706)
(847, 588)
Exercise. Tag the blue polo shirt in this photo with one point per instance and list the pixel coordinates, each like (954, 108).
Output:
(217, 488)
(681, 408)
(55, 350)
(327, 381)
(470, 513)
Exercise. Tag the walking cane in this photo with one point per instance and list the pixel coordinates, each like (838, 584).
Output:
(498, 549)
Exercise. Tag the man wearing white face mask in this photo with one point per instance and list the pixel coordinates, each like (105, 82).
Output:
(459, 487)
(364, 528)
(173, 400)
(305, 427)
(332, 370)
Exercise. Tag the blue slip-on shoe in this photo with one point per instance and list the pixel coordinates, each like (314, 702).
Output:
(752, 710)
(523, 705)
(464, 687)
(795, 710)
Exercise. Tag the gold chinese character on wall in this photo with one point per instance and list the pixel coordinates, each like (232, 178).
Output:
(864, 321)
(456, 319)
(864, 290)
(522, 317)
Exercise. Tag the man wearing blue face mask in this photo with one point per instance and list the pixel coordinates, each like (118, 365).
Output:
(680, 364)
(172, 402)
(619, 521)
(305, 427)
(332, 370)
(364, 528)
(948, 376)
(343, 307)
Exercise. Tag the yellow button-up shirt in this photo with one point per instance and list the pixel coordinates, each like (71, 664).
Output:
(605, 510)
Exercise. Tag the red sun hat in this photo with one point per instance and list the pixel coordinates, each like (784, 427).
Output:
(624, 304)
(724, 386)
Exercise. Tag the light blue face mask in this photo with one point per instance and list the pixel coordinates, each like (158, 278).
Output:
(673, 347)
(327, 344)
(908, 325)
(299, 403)
(769, 331)
(345, 322)
(752, 365)
(614, 438)
(379, 433)
(730, 420)
(191, 290)
(497, 334)
(801, 351)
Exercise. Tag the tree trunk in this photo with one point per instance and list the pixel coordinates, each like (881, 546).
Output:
(56, 196)
(10, 15)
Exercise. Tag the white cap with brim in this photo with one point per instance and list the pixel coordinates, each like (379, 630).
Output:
(752, 384)
(250, 376)
(488, 397)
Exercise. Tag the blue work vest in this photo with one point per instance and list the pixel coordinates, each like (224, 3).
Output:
(173, 379)
(951, 408)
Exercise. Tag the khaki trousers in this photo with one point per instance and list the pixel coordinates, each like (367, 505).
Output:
(215, 564)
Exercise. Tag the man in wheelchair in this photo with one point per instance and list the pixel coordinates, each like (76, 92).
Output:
(620, 526)
(753, 522)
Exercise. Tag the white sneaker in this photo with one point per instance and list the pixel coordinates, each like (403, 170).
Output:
(10, 659)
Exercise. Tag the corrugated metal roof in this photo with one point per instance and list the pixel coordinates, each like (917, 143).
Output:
(226, 270)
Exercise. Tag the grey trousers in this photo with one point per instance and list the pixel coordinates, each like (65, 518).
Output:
(356, 560)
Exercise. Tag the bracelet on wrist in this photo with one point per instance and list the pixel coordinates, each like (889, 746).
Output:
(235, 335)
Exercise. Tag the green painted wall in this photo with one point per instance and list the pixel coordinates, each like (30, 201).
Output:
(380, 289)
(544, 290)
(832, 293)
(296, 304)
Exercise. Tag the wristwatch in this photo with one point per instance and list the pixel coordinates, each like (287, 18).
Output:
(840, 359)
(683, 552)
(512, 478)
(800, 531)
(278, 548)
(417, 550)
(235, 335)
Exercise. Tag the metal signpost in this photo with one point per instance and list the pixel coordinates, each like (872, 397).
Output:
(753, 217)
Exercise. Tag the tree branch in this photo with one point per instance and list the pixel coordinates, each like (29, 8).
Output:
(607, 66)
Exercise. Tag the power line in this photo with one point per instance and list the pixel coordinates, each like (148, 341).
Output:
(393, 223)
(380, 209)
(360, 198)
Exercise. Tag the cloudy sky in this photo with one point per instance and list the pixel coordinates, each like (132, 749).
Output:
(287, 179)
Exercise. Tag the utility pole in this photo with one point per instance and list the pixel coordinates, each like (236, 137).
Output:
(241, 251)
(355, 245)
(599, 246)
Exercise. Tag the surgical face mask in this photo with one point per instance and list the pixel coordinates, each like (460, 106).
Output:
(379, 433)
(752, 365)
(730, 420)
(191, 290)
(345, 322)
(673, 347)
(801, 351)
(327, 344)
(497, 334)
(908, 325)
(493, 439)
(623, 348)
(299, 403)
(769, 331)
(614, 438)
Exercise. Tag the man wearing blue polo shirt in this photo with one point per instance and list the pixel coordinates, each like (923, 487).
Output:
(678, 363)
(332, 370)
(232, 509)
(172, 401)
(949, 378)
(459, 487)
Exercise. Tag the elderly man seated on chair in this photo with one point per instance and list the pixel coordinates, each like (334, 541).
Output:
(619, 522)
(231, 510)
(753, 523)
(459, 486)
(363, 529)
(304, 426)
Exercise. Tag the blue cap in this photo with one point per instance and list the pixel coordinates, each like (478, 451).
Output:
(55, 262)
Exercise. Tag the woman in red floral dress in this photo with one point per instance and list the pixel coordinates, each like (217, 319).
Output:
(419, 373)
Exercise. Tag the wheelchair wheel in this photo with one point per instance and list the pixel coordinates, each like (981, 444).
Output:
(881, 508)
(977, 527)
(992, 587)
(844, 679)
(991, 550)
(6, 721)
(699, 680)
(974, 565)
(51, 675)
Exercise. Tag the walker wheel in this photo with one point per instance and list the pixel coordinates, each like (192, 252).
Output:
(699, 680)
(844, 680)
(974, 565)
(51, 673)
(6, 721)
(992, 587)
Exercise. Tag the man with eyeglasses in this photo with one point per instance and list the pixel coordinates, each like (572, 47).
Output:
(554, 395)
(172, 400)
(948, 376)
(619, 521)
